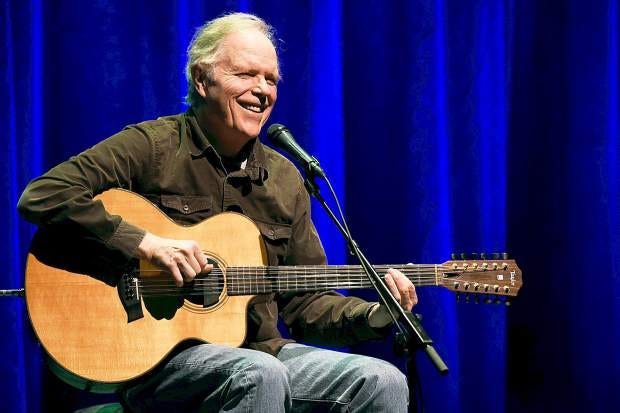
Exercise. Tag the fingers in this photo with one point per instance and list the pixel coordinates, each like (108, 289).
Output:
(168, 259)
(182, 259)
(391, 283)
(190, 260)
(401, 288)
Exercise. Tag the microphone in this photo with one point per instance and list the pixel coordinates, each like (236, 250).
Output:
(281, 137)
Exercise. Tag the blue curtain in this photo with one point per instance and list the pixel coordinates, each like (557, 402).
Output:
(445, 125)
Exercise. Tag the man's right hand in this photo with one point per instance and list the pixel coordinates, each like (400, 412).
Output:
(183, 259)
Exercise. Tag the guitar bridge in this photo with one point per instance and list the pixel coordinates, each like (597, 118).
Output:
(130, 296)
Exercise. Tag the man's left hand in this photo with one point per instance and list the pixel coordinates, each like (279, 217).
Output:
(403, 291)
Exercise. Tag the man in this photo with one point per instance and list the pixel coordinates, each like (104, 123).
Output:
(198, 164)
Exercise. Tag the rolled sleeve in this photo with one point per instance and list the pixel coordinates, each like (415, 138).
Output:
(64, 195)
(126, 239)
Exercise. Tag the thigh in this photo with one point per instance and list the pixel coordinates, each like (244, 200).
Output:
(325, 380)
(199, 376)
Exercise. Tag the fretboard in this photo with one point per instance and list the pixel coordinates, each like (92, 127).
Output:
(264, 280)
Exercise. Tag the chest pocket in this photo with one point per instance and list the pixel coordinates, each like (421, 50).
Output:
(277, 238)
(187, 209)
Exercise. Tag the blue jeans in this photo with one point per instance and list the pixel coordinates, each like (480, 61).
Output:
(212, 378)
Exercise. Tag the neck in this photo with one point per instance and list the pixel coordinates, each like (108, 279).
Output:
(227, 142)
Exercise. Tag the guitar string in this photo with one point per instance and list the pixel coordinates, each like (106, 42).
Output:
(185, 291)
(281, 285)
(264, 279)
(279, 274)
(318, 268)
(234, 273)
(292, 272)
(258, 280)
(243, 281)
(239, 283)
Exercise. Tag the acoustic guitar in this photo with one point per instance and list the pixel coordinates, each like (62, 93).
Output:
(100, 334)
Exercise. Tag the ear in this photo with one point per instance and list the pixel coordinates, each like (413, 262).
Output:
(199, 77)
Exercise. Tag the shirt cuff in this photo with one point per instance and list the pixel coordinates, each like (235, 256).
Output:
(363, 330)
(126, 239)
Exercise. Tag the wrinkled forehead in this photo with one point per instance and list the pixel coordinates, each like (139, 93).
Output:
(249, 47)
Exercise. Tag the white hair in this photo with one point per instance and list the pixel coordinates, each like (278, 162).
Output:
(204, 47)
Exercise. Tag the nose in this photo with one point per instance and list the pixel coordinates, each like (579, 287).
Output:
(261, 88)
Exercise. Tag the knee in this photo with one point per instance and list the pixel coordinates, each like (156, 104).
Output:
(267, 381)
(385, 386)
(267, 371)
(392, 380)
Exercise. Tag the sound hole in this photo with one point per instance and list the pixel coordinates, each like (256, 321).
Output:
(207, 288)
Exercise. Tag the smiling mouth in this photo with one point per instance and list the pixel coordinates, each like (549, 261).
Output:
(252, 108)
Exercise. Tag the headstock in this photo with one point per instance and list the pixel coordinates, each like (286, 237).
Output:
(493, 276)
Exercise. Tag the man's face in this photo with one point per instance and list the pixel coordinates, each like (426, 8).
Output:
(242, 90)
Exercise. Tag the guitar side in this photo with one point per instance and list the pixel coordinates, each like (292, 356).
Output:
(81, 322)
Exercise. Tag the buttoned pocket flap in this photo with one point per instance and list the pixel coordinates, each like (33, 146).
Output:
(187, 204)
(273, 231)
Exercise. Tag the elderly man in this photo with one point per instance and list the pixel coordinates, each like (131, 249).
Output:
(203, 162)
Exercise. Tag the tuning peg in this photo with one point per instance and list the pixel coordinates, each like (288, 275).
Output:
(483, 255)
(508, 303)
(476, 299)
(497, 301)
(467, 298)
(504, 255)
(488, 300)
(458, 297)
(454, 256)
(495, 255)
(474, 255)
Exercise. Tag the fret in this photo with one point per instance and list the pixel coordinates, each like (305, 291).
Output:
(253, 276)
(239, 279)
(316, 281)
(267, 276)
(263, 280)
(349, 279)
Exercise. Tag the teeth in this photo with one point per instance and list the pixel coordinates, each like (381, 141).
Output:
(252, 108)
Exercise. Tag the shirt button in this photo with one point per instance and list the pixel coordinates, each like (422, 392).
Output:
(185, 207)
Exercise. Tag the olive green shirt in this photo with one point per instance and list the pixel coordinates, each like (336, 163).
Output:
(171, 162)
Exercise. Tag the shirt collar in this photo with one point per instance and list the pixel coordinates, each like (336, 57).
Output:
(198, 144)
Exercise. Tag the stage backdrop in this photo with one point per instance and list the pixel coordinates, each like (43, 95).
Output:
(445, 125)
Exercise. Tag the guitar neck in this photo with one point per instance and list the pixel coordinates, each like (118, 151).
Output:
(264, 280)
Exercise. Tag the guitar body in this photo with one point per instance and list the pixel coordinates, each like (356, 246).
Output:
(81, 321)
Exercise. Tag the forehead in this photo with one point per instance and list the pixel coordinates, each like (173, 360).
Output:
(248, 48)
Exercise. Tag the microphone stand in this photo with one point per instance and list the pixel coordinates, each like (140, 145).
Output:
(411, 335)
